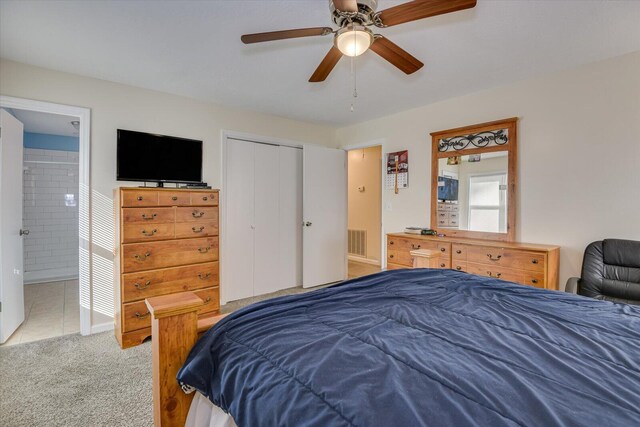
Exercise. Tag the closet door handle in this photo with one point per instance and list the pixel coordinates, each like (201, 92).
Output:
(149, 234)
(204, 250)
(142, 257)
(141, 287)
(147, 217)
(197, 214)
(141, 316)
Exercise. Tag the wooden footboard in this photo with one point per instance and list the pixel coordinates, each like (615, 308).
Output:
(175, 328)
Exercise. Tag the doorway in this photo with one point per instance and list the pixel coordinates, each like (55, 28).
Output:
(364, 194)
(43, 253)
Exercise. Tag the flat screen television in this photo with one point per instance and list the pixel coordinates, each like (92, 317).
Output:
(148, 157)
(447, 189)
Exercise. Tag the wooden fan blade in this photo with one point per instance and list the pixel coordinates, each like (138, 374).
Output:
(327, 64)
(396, 55)
(346, 5)
(420, 9)
(286, 34)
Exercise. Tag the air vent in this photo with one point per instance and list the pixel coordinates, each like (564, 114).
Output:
(358, 243)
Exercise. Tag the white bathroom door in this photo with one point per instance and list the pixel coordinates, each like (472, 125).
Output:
(324, 215)
(11, 285)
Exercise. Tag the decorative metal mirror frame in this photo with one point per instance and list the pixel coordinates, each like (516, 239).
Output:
(480, 137)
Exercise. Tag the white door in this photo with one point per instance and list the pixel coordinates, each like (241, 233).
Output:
(238, 227)
(290, 217)
(324, 215)
(11, 161)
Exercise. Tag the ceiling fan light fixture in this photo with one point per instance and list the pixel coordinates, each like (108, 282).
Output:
(353, 40)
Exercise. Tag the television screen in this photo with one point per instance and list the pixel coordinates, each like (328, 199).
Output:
(447, 189)
(158, 158)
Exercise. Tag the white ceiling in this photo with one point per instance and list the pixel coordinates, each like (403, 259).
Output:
(46, 123)
(193, 48)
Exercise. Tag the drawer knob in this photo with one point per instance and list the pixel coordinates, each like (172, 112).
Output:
(197, 230)
(204, 250)
(142, 316)
(151, 233)
(197, 214)
(208, 300)
(496, 275)
(142, 257)
(534, 281)
(534, 261)
(148, 217)
(391, 242)
(205, 198)
(415, 246)
(140, 198)
(442, 265)
(204, 276)
(458, 268)
(141, 287)
(458, 251)
(442, 249)
(492, 258)
(174, 198)
(390, 256)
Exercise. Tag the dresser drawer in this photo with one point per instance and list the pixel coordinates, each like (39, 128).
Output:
(145, 284)
(509, 258)
(497, 272)
(211, 298)
(444, 262)
(139, 198)
(459, 252)
(174, 198)
(533, 279)
(139, 232)
(204, 198)
(196, 229)
(148, 215)
(400, 244)
(400, 257)
(196, 214)
(136, 315)
(148, 256)
(459, 265)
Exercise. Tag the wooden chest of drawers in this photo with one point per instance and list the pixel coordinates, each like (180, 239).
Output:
(528, 264)
(167, 243)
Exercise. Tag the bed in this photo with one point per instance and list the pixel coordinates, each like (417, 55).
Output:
(409, 347)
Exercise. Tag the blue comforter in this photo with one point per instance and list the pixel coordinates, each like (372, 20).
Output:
(423, 347)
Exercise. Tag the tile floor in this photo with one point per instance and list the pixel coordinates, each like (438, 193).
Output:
(359, 269)
(50, 310)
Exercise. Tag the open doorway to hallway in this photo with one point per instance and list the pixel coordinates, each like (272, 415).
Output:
(365, 213)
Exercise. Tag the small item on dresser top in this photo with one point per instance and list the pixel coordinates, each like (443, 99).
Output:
(415, 230)
(428, 232)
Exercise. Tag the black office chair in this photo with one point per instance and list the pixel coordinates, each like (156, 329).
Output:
(610, 272)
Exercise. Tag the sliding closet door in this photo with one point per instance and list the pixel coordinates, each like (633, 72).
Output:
(238, 256)
(266, 250)
(290, 217)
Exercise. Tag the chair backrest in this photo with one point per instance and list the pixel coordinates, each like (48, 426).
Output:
(611, 271)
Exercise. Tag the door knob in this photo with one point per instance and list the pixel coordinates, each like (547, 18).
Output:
(24, 232)
(307, 224)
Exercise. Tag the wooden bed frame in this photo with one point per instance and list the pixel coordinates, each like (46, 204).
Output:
(175, 329)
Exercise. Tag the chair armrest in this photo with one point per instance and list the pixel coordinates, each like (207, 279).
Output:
(572, 285)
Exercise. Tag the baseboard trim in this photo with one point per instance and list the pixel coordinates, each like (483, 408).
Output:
(53, 275)
(364, 260)
(102, 327)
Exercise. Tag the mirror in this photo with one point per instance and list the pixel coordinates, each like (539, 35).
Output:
(473, 181)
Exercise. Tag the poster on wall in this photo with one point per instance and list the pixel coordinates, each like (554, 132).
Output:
(397, 170)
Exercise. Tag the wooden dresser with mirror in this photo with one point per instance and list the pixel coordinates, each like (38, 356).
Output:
(473, 210)
(167, 243)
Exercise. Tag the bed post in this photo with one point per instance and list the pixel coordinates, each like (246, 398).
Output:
(174, 328)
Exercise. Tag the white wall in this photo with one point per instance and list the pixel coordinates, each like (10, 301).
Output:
(51, 248)
(116, 106)
(579, 163)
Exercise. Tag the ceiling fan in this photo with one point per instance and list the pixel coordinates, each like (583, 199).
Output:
(354, 38)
